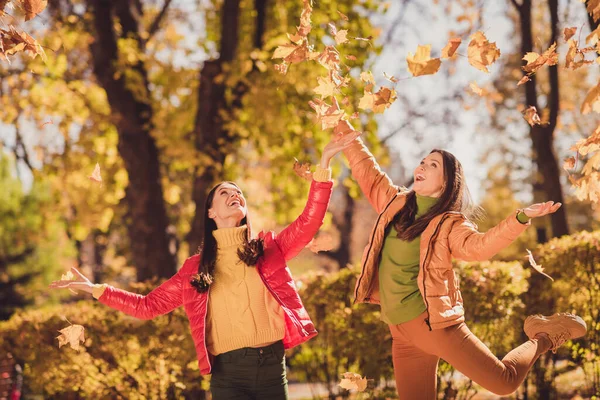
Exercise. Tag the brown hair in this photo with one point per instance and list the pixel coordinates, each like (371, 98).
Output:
(249, 254)
(455, 197)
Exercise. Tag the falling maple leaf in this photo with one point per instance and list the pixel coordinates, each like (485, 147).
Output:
(531, 116)
(96, 177)
(569, 32)
(449, 50)
(593, 37)
(329, 58)
(591, 101)
(536, 61)
(593, 8)
(569, 163)
(343, 16)
(421, 62)
(341, 37)
(281, 68)
(367, 77)
(384, 98)
(575, 57)
(536, 266)
(328, 115)
(481, 52)
(33, 7)
(305, 25)
(352, 381)
(390, 78)
(303, 170)
(13, 41)
(523, 80)
(68, 277)
(476, 89)
(71, 335)
(351, 58)
(326, 87)
(323, 242)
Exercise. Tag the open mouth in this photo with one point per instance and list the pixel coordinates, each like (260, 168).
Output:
(235, 203)
(419, 178)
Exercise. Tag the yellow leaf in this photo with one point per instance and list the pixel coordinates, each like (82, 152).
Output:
(449, 50)
(367, 77)
(96, 177)
(352, 381)
(591, 101)
(343, 16)
(367, 101)
(326, 87)
(536, 266)
(481, 52)
(422, 63)
(284, 51)
(341, 36)
(384, 98)
(593, 37)
(71, 335)
(593, 8)
(476, 89)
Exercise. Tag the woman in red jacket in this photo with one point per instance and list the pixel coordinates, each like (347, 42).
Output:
(239, 296)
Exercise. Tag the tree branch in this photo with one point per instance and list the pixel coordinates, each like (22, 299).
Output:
(159, 18)
(517, 5)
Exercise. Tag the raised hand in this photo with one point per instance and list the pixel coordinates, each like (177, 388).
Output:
(79, 283)
(337, 143)
(541, 209)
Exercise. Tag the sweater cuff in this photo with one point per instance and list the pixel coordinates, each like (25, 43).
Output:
(322, 174)
(98, 290)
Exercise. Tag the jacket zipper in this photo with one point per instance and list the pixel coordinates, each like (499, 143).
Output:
(370, 247)
(205, 314)
(427, 320)
(290, 314)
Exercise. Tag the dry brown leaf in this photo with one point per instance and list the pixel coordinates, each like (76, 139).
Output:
(523, 80)
(531, 116)
(536, 61)
(71, 335)
(575, 57)
(536, 266)
(303, 170)
(421, 62)
(323, 242)
(593, 37)
(591, 101)
(449, 50)
(95, 176)
(14, 41)
(330, 58)
(305, 25)
(476, 89)
(33, 7)
(481, 52)
(352, 381)
(569, 32)
(593, 8)
(569, 163)
(384, 98)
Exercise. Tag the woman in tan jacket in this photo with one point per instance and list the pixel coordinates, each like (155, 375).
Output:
(407, 269)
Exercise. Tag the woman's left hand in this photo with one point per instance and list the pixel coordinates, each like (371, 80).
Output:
(541, 209)
(337, 143)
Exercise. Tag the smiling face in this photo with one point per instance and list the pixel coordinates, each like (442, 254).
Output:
(228, 206)
(429, 176)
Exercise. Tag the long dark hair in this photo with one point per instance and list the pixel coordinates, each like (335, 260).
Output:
(455, 197)
(249, 254)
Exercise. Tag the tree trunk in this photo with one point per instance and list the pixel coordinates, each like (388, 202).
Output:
(132, 115)
(212, 138)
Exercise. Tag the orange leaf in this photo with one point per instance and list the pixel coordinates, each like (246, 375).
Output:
(575, 57)
(569, 163)
(96, 177)
(330, 58)
(569, 32)
(351, 58)
(476, 89)
(71, 335)
(591, 101)
(303, 170)
(421, 62)
(531, 116)
(523, 80)
(449, 50)
(384, 98)
(323, 242)
(33, 7)
(593, 8)
(536, 61)
(481, 52)
(343, 16)
(536, 266)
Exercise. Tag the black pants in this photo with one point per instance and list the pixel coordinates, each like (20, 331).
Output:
(250, 374)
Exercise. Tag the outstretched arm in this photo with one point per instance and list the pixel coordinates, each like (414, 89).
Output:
(468, 244)
(300, 232)
(161, 300)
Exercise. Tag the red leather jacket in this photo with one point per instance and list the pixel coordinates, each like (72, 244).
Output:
(272, 268)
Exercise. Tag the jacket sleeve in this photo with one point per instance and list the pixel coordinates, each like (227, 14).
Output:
(374, 183)
(299, 233)
(468, 244)
(162, 300)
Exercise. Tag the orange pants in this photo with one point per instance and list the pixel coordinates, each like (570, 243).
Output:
(416, 351)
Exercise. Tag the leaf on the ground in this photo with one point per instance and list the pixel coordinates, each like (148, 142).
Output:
(531, 116)
(569, 163)
(536, 61)
(341, 37)
(591, 101)
(536, 266)
(323, 242)
(476, 89)
(96, 177)
(575, 57)
(481, 52)
(303, 170)
(593, 8)
(326, 87)
(71, 335)
(421, 62)
(33, 7)
(450, 48)
(568, 33)
(352, 381)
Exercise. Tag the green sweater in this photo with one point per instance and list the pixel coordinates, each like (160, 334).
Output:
(401, 300)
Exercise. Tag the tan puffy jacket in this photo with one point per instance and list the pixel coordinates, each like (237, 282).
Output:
(448, 235)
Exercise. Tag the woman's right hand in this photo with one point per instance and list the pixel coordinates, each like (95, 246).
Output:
(337, 143)
(79, 283)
